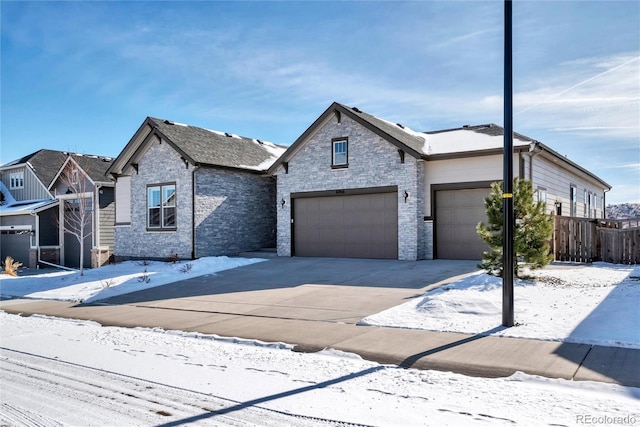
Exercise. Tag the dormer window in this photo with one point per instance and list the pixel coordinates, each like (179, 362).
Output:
(340, 156)
(16, 180)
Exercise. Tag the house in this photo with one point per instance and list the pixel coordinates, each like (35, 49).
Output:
(86, 198)
(188, 192)
(31, 208)
(354, 185)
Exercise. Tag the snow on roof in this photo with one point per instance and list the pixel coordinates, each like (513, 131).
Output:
(7, 196)
(273, 149)
(25, 206)
(464, 139)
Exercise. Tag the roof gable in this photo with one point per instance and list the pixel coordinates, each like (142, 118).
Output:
(46, 165)
(400, 136)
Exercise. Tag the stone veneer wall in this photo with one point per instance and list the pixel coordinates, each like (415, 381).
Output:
(160, 164)
(234, 212)
(373, 162)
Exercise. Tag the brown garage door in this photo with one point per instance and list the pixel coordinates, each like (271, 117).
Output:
(457, 214)
(350, 226)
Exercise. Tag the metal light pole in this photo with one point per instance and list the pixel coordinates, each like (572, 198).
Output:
(507, 197)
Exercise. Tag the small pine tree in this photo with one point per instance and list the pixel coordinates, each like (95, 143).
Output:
(533, 229)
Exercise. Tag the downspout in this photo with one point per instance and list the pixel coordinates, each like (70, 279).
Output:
(96, 217)
(534, 150)
(604, 204)
(193, 211)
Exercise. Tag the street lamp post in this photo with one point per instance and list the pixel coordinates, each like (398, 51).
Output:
(508, 218)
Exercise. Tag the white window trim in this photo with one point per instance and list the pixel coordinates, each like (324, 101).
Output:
(16, 180)
(334, 142)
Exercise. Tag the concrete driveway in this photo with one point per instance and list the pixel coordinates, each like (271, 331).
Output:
(315, 289)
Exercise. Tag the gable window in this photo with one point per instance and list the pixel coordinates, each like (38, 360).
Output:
(16, 180)
(339, 157)
(74, 176)
(161, 207)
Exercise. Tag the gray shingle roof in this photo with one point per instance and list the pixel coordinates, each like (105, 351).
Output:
(215, 148)
(47, 163)
(95, 166)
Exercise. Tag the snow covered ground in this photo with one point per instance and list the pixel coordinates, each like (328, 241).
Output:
(114, 279)
(68, 372)
(593, 304)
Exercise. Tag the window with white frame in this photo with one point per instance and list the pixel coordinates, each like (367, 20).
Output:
(161, 207)
(586, 203)
(542, 195)
(16, 180)
(573, 195)
(339, 152)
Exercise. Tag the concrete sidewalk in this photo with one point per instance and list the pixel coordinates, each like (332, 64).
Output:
(315, 303)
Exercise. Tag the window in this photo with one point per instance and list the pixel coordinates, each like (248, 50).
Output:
(542, 195)
(339, 157)
(161, 206)
(586, 203)
(16, 180)
(573, 194)
(74, 176)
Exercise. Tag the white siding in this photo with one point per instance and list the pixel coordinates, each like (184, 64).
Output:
(123, 200)
(33, 189)
(557, 181)
(469, 169)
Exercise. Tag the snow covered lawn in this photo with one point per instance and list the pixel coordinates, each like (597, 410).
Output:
(112, 280)
(69, 372)
(594, 304)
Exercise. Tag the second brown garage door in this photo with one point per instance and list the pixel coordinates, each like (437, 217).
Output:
(457, 214)
(350, 226)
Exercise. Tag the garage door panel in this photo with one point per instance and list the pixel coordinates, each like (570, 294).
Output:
(457, 214)
(354, 226)
(15, 245)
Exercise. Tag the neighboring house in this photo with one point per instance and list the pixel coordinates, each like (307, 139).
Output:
(188, 192)
(81, 183)
(30, 213)
(354, 185)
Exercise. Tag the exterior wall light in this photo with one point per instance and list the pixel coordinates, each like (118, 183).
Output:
(405, 195)
(282, 203)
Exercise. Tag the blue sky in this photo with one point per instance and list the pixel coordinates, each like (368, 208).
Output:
(82, 76)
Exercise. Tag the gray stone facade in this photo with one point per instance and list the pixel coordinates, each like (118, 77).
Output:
(160, 164)
(373, 162)
(234, 212)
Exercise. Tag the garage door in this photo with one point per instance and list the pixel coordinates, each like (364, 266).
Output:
(16, 245)
(457, 214)
(350, 226)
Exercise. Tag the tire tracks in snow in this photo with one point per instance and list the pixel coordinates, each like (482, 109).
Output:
(38, 391)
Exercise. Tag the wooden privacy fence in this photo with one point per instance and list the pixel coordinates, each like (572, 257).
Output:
(589, 240)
